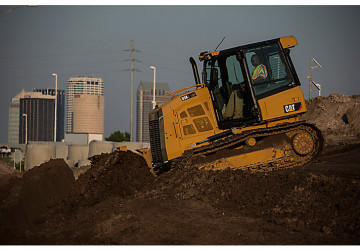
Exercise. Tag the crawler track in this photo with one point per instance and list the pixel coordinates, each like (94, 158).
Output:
(300, 142)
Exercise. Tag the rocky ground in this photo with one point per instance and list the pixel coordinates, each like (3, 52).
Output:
(118, 201)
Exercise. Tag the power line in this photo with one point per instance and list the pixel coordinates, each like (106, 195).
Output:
(164, 57)
(62, 73)
(164, 67)
(59, 55)
(60, 65)
(162, 45)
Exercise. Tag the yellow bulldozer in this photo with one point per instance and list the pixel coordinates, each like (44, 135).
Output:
(244, 113)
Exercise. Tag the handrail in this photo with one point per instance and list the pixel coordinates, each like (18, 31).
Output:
(181, 90)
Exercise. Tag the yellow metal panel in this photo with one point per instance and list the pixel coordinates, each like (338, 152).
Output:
(288, 41)
(215, 53)
(272, 107)
(178, 136)
(171, 134)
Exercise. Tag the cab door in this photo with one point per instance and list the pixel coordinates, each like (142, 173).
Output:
(230, 91)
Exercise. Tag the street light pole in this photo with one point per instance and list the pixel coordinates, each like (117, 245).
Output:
(25, 115)
(55, 104)
(26, 140)
(153, 101)
(310, 77)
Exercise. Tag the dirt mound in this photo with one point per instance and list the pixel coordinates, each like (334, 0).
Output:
(337, 116)
(117, 174)
(110, 180)
(118, 201)
(24, 199)
(79, 170)
(291, 196)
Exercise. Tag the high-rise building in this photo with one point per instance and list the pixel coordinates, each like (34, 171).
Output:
(81, 85)
(16, 118)
(40, 111)
(144, 98)
(60, 111)
(88, 114)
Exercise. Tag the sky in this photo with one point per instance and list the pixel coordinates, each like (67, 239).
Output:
(95, 40)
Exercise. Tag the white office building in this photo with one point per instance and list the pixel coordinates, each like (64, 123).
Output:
(79, 86)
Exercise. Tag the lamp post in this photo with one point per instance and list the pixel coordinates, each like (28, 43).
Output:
(310, 77)
(53, 74)
(25, 115)
(153, 101)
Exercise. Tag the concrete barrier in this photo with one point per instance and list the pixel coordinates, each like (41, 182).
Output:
(99, 147)
(77, 152)
(38, 153)
(61, 150)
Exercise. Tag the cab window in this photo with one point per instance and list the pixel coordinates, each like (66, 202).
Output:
(267, 69)
(229, 99)
(217, 87)
(235, 75)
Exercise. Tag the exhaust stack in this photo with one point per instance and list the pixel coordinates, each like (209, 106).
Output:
(195, 70)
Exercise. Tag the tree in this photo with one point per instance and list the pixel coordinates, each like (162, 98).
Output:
(117, 136)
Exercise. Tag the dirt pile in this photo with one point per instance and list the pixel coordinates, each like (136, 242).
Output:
(118, 201)
(337, 116)
(302, 200)
(119, 174)
(24, 198)
(111, 179)
(79, 170)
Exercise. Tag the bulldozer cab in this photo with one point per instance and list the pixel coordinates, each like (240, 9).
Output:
(238, 78)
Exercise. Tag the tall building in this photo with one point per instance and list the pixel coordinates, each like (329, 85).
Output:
(60, 111)
(144, 98)
(40, 111)
(88, 114)
(81, 85)
(16, 118)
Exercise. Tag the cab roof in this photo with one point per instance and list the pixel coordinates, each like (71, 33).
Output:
(286, 42)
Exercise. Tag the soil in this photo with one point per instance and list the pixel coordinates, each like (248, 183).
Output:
(25, 197)
(118, 201)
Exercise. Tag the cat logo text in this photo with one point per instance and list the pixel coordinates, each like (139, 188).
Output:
(292, 107)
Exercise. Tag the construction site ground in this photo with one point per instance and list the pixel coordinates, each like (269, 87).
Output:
(117, 200)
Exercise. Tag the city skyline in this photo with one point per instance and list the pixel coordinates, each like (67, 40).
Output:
(95, 40)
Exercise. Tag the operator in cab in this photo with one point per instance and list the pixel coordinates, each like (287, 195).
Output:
(259, 73)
